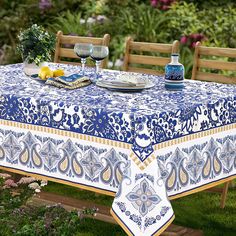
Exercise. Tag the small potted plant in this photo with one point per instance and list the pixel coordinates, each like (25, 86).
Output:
(35, 46)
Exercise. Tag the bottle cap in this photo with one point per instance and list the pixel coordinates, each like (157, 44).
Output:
(174, 54)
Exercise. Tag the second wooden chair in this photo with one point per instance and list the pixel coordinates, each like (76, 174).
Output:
(215, 64)
(136, 62)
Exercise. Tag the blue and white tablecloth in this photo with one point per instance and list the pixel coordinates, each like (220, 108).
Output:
(141, 147)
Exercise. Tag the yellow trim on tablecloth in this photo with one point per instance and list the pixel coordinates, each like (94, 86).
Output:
(128, 232)
(66, 133)
(190, 137)
(60, 181)
(165, 226)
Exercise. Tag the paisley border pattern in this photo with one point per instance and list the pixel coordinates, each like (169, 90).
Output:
(66, 159)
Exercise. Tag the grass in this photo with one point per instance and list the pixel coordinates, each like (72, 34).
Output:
(199, 211)
(90, 227)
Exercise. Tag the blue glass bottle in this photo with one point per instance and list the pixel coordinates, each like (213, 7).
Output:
(174, 74)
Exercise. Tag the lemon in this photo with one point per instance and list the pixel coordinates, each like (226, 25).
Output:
(45, 73)
(59, 72)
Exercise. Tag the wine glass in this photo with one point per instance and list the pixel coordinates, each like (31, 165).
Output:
(83, 50)
(98, 54)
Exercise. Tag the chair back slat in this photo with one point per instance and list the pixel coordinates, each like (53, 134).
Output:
(151, 47)
(138, 63)
(66, 52)
(200, 63)
(220, 65)
(148, 60)
(221, 52)
(66, 39)
(65, 45)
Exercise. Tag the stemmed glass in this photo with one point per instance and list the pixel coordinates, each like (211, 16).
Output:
(98, 54)
(83, 50)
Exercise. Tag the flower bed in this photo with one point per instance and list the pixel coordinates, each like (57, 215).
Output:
(17, 218)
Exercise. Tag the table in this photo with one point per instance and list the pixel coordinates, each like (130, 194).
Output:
(143, 148)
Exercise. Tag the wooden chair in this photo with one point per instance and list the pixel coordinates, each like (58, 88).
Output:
(197, 74)
(199, 63)
(65, 45)
(133, 61)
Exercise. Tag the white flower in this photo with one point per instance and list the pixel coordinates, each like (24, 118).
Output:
(91, 20)
(110, 64)
(37, 190)
(101, 18)
(43, 183)
(34, 186)
(118, 63)
(82, 21)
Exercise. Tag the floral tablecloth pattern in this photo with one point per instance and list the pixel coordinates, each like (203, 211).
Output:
(144, 147)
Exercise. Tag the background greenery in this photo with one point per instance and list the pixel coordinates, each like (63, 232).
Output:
(145, 20)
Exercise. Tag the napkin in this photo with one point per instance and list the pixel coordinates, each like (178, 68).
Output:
(71, 81)
(125, 80)
(131, 79)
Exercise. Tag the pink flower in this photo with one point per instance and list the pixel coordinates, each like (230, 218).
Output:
(45, 4)
(200, 37)
(26, 180)
(193, 44)
(9, 183)
(193, 36)
(197, 37)
(165, 1)
(184, 39)
(154, 3)
(165, 7)
(5, 176)
(192, 39)
(162, 4)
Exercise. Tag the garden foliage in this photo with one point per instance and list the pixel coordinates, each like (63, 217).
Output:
(36, 44)
(21, 219)
(212, 22)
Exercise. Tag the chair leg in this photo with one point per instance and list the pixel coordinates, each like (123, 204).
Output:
(224, 195)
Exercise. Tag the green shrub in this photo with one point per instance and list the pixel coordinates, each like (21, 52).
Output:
(20, 219)
(36, 44)
(143, 22)
(69, 23)
(39, 221)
